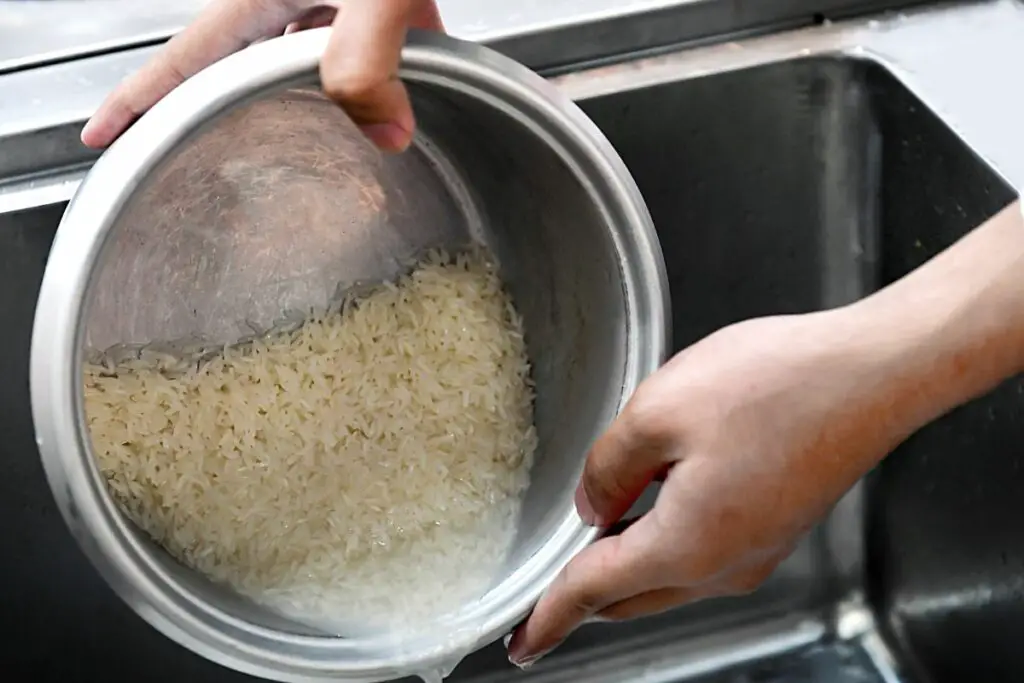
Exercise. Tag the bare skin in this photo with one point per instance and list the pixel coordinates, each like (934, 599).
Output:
(358, 70)
(757, 430)
(763, 426)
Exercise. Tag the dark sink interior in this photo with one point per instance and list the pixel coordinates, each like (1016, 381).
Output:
(807, 184)
(784, 188)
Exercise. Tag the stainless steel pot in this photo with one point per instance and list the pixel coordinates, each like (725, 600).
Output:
(142, 257)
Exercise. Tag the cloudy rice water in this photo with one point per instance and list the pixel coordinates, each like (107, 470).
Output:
(366, 467)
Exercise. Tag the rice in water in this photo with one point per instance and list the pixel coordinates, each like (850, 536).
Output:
(368, 466)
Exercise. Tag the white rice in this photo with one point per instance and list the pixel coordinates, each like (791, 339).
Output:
(367, 467)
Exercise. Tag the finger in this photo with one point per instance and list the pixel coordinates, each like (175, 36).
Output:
(317, 17)
(609, 571)
(427, 16)
(359, 69)
(740, 581)
(225, 26)
(622, 463)
(749, 579)
(653, 602)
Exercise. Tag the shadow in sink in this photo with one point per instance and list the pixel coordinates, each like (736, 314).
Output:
(764, 185)
(779, 189)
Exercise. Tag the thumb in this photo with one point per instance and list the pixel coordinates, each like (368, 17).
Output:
(612, 570)
(359, 69)
(633, 452)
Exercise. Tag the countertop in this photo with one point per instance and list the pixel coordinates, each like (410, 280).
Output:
(962, 59)
(38, 30)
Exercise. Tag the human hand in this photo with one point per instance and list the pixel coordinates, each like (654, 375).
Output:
(760, 428)
(756, 431)
(358, 70)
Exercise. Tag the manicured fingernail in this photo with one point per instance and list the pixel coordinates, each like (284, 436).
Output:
(584, 508)
(390, 137)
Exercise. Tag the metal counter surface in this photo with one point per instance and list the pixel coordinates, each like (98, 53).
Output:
(43, 30)
(38, 31)
(963, 60)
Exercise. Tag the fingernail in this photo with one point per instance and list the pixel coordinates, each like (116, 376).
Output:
(526, 661)
(524, 664)
(88, 134)
(584, 508)
(513, 646)
(517, 657)
(390, 137)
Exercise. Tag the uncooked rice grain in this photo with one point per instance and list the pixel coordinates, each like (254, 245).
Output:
(366, 467)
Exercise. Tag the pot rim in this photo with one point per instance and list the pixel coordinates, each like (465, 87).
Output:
(119, 553)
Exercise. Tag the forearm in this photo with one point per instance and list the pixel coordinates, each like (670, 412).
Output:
(952, 329)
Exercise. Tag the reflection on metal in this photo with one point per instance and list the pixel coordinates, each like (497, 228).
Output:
(882, 658)
(685, 657)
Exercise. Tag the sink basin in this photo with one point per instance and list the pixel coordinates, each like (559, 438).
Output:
(786, 187)
(807, 184)
(803, 185)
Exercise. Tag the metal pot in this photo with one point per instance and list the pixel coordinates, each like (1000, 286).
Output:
(501, 155)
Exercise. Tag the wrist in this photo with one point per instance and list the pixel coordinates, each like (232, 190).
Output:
(949, 331)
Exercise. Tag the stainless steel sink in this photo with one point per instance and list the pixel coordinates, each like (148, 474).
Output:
(802, 185)
(789, 175)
